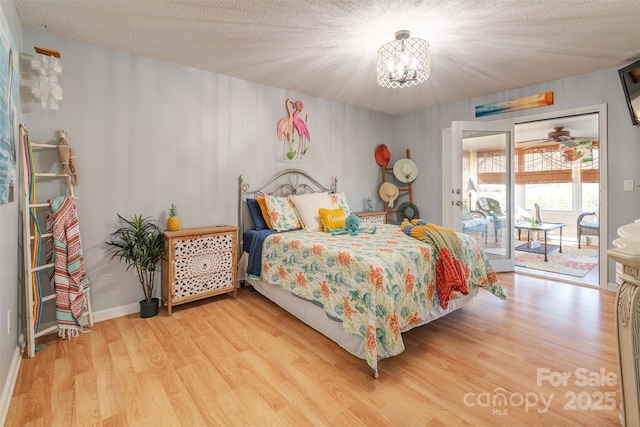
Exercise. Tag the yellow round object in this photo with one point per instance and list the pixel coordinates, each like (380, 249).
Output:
(173, 223)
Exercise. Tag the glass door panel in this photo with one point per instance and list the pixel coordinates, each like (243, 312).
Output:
(482, 188)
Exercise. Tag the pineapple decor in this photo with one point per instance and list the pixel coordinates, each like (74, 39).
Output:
(173, 222)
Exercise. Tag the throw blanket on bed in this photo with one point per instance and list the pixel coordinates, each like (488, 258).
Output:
(254, 247)
(68, 275)
(451, 272)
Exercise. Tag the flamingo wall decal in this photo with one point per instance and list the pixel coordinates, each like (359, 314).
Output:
(285, 129)
(285, 124)
(301, 127)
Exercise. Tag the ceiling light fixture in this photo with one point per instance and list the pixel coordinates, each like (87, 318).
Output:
(403, 62)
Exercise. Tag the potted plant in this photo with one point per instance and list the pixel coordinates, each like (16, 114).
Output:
(140, 244)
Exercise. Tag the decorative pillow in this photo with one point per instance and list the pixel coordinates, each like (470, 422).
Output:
(256, 215)
(282, 213)
(339, 200)
(265, 214)
(308, 205)
(333, 218)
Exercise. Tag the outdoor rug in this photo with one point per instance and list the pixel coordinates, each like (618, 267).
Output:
(572, 261)
(539, 250)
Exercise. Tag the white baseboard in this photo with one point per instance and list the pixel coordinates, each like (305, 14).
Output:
(112, 313)
(9, 384)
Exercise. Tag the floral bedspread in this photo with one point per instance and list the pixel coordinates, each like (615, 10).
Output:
(378, 285)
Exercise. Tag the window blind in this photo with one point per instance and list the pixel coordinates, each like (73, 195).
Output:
(535, 165)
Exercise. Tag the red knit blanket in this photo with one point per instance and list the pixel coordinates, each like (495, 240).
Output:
(452, 274)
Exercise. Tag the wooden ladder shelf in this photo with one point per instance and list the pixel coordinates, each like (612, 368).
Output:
(32, 239)
(408, 189)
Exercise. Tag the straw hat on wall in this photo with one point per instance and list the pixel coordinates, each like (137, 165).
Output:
(405, 170)
(389, 193)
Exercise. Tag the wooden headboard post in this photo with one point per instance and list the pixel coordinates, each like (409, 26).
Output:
(285, 183)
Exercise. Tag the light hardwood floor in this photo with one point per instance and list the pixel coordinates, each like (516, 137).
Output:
(247, 362)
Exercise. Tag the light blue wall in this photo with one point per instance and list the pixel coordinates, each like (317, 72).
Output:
(10, 252)
(148, 133)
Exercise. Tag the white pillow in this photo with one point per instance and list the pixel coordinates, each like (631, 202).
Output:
(308, 206)
(339, 200)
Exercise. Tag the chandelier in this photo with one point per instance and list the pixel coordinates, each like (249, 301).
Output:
(403, 62)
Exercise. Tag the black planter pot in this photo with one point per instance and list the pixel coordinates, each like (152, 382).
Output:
(149, 309)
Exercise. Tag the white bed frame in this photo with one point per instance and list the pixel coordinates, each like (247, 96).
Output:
(291, 182)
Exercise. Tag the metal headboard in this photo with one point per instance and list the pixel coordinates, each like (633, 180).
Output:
(285, 183)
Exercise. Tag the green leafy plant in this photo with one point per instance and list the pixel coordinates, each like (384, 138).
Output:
(140, 244)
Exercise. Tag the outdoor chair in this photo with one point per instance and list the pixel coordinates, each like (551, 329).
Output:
(475, 222)
(587, 228)
(491, 207)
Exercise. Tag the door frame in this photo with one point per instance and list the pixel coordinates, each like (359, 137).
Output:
(601, 110)
(603, 260)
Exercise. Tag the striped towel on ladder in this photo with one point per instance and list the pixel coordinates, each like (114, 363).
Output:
(68, 276)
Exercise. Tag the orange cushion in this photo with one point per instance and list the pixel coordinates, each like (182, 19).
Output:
(263, 208)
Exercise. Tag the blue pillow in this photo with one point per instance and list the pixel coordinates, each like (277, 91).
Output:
(256, 215)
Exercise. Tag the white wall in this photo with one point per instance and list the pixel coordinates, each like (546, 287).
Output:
(422, 130)
(148, 133)
(9, 257)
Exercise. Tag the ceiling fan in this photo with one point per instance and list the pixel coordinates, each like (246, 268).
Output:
(557, 135)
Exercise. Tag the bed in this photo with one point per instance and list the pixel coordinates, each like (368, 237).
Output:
(362, 291)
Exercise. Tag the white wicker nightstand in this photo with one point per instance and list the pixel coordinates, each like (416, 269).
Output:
(372, 217)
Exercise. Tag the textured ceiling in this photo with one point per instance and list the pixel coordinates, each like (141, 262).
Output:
(327, 48)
